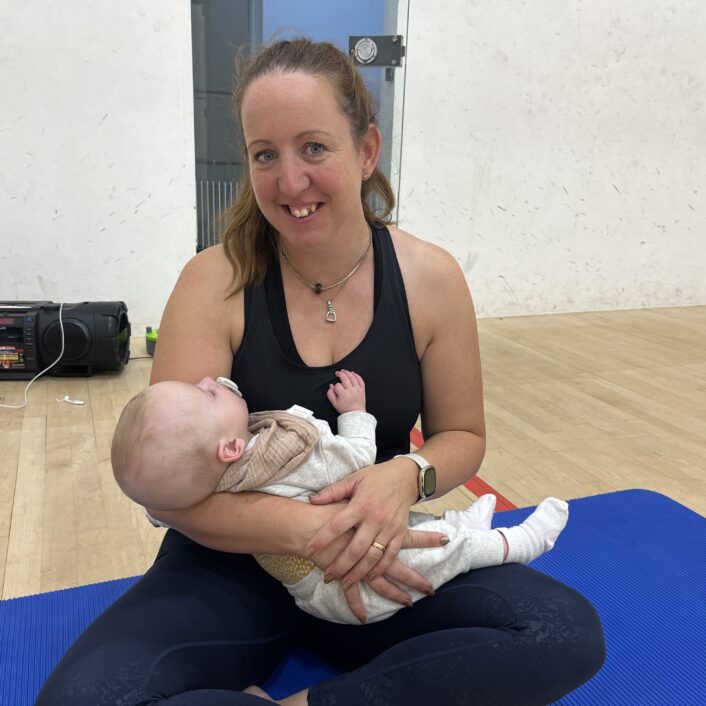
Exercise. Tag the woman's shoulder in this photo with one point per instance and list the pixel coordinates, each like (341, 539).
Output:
(208, 276)
(201, 311)
(420, 260)
(205, 289)
(210, 267)
(434, 283)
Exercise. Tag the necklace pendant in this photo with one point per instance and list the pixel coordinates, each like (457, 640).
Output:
(318, 287)
(330, 313)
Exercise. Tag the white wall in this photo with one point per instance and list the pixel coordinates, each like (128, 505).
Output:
(557, 148)
(97, 191)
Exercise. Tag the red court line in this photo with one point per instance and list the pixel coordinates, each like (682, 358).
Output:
(416, 437)
(479, 487)
(476, 485)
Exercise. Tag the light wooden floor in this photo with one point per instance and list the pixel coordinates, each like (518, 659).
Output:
(576, 404)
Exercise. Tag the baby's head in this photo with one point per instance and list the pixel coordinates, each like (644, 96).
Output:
(174, 440)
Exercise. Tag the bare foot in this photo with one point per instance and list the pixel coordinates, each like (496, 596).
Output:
(257, 691)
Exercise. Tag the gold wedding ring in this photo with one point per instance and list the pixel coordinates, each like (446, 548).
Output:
(379, 546)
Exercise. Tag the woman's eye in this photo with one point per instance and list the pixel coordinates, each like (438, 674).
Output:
(265, 156)
(315, 148)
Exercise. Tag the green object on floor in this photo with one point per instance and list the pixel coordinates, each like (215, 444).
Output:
(151, 339)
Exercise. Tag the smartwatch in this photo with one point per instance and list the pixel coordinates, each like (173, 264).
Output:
(427, 475)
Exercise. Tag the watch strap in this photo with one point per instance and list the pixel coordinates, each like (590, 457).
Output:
(422, 465)
(419, 460)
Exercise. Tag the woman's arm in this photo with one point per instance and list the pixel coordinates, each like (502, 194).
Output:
(200, 329)
(201, 325)
(233, 522)
(445, 335)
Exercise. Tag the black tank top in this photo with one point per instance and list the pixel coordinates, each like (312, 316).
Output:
(271, 374)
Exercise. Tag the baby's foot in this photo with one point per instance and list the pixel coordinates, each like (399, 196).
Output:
(537, 533)
(479, 515)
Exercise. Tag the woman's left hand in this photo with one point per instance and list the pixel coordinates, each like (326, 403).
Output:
(378, 511)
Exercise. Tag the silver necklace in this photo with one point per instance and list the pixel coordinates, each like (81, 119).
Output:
(317, 288)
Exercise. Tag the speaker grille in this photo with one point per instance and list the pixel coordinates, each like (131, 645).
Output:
(77, 340)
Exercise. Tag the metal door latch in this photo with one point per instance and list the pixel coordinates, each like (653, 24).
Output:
(378, 50)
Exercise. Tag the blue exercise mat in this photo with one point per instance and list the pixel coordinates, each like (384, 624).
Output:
(637, 555)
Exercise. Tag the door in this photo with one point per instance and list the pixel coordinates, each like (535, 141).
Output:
(221, 27)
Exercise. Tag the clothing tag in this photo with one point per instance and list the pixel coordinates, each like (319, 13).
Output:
(299, 411)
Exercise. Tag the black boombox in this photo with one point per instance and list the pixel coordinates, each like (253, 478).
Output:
(96, 337)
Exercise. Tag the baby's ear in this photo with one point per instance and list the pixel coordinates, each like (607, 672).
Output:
(230, 450)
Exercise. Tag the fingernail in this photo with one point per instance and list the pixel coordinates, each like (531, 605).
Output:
(345, 584)
(309, 552)
(409, 604)
(430, 592)
(362, 620)
(372, 575)
(328, 578)
(444, 541)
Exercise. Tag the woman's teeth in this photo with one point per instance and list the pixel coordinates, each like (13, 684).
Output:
(303, 212)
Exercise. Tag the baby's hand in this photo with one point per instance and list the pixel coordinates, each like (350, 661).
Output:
(348, 395)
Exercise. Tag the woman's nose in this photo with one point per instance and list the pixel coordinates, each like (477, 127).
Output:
(293, 178)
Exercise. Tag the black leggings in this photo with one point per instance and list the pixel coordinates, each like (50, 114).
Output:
(201, 625)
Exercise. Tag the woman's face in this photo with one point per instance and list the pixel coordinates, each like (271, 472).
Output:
(305, 167)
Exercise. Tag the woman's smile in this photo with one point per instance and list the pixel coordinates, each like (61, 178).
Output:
(301, 213)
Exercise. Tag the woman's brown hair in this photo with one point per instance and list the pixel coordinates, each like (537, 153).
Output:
(248, 238)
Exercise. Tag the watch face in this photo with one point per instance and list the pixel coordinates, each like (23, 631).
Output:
(429, 481)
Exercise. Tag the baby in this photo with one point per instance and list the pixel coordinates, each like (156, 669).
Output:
(177, 443)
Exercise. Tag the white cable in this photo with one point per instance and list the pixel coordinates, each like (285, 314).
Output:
(61, 353)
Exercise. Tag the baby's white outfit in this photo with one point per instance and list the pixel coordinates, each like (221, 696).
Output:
(332, 459)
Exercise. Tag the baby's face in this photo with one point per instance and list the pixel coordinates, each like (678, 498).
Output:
(226, 411)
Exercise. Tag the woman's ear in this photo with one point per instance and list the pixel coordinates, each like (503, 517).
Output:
(230, 450)
(370, 149)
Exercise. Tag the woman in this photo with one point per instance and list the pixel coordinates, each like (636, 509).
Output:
(309, 280)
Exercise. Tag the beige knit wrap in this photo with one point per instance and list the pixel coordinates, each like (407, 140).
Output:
(284, 441)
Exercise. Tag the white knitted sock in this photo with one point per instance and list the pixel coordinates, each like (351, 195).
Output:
(537, 533)
(479, 515)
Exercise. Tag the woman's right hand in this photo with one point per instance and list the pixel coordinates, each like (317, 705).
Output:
(387, 584)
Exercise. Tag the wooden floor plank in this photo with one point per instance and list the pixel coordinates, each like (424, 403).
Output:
(24, 548)
(9, 459)
(59, 558)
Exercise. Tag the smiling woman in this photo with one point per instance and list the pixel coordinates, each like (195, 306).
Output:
(305, 179)
(323, 156)
(207, 621)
